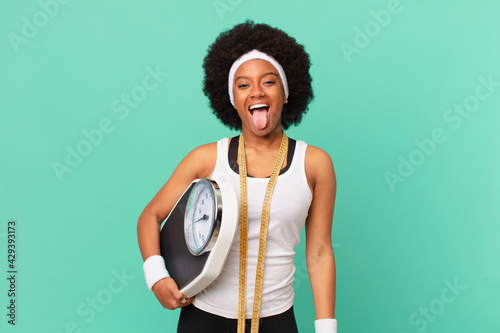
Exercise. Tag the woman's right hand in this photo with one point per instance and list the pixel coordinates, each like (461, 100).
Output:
(168, 294)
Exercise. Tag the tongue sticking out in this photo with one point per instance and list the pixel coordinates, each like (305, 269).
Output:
(260, 118)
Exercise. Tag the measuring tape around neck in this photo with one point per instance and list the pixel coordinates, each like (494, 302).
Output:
(259, 276)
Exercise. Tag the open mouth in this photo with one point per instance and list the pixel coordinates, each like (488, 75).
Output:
(258, 107)
(259, 114)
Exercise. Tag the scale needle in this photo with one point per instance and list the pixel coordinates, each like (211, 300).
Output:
(204, 217)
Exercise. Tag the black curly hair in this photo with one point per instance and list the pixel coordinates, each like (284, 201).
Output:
(242, 38)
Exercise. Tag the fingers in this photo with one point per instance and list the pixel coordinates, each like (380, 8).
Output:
(168, 294)
(187, 302)
(179, 297)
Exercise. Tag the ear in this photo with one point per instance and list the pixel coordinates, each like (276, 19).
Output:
(286, 101)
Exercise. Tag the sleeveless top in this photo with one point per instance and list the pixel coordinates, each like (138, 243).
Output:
(289, 209)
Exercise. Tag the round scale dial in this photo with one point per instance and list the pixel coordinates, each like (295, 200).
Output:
(202, 218)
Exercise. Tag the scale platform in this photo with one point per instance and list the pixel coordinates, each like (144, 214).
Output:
(194, 273)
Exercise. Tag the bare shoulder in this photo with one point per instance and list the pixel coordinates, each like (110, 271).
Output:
(205, 151)
(318, 159)
(317, 154)
(319, 166)
(201, 161)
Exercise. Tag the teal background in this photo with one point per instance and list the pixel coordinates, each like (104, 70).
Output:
(398, 248)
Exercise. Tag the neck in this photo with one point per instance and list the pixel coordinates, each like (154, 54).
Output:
(268, 141)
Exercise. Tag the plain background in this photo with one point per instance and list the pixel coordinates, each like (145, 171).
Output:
(389, 76)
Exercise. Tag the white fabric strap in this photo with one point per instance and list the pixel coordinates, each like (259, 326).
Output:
(255, 54)
(325, 326)
(154, 270)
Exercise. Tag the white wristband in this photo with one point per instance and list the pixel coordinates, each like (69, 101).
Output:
(325, 326)
(154, 270)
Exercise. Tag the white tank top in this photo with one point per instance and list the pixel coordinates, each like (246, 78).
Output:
(289, 209)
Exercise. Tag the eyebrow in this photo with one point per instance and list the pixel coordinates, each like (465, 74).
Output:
(265, 74)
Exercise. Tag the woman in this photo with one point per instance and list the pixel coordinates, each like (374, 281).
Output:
(266, 75)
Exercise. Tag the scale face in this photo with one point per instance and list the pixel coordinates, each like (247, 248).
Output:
(196, 236)
(203, 215)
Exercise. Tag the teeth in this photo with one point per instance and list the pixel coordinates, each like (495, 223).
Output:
(258, 106)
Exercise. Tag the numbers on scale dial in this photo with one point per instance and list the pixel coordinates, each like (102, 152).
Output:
(204, 213)
(199, 219)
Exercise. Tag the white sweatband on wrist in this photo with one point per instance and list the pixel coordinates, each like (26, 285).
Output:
(325, 325)
(255, 54)
(154, 270)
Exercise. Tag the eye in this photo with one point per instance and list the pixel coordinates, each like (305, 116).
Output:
(242, 86)
(270, 82)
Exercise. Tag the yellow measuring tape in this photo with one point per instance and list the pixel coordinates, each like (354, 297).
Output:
(262, 237)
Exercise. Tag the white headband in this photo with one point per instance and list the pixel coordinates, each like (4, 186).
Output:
(255, 54)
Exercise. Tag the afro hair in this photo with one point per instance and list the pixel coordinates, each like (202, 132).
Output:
(242, 38)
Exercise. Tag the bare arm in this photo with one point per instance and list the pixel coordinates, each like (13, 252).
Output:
(319, 251)
(197, 164)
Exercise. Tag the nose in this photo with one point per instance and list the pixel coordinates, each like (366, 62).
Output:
(257, 91)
